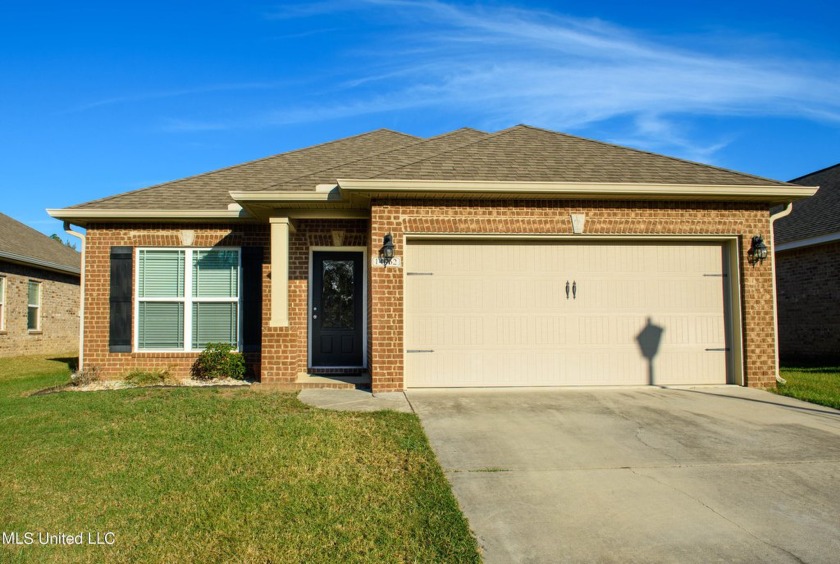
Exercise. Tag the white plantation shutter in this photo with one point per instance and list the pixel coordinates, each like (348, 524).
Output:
(160, 325)
(161, 274)
(215, 274)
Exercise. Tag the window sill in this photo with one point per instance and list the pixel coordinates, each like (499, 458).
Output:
(34, 332)
(163, 351)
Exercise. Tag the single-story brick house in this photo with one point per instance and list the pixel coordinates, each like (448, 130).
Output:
(808, 272)
(524, 257)
(39, 292)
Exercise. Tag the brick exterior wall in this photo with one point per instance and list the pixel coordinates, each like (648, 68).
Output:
(284, 349)
(59, 332)
(98, 243)
(808, 287)
(553, 217)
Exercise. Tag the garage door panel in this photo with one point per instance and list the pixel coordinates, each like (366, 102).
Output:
(498, 314)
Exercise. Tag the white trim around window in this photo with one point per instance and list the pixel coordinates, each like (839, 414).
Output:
(184, 291)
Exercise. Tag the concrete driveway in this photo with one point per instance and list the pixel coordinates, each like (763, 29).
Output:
(721, 474)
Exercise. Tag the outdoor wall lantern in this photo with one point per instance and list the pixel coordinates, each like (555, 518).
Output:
(758, 250)
(386, 252)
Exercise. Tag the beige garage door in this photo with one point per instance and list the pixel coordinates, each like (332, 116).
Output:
(558, 314)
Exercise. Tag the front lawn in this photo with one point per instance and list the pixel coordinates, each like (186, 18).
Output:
(216, 475)
(814, 384)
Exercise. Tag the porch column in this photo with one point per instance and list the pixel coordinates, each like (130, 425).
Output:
(279, 271)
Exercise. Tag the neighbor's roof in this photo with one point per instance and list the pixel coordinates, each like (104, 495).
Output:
(815, 216)
(21, 244)
(521, 153)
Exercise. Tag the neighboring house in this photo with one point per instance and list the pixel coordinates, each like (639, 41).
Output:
(521, 258)
(39, 292)
(808, 272)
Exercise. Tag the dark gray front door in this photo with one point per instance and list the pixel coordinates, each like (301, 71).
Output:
(337, 314)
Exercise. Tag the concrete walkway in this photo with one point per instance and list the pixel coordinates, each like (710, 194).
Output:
(355, 400)
(722, 474)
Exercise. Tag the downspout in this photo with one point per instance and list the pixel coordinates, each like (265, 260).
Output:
(773, 217)
(81, 237)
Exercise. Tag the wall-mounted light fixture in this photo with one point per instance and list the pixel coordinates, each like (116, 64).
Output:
(758, 250)
(386, 252)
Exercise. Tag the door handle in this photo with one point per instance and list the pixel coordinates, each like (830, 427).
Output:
(574, 289)
(567, 289)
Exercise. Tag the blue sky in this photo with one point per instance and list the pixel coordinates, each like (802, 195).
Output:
(101, 98)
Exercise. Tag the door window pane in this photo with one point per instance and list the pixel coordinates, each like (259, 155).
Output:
(337, 294)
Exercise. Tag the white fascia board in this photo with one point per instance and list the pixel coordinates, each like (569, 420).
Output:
(75, 215)
(595, 190)
(821, 240)
(295, 197)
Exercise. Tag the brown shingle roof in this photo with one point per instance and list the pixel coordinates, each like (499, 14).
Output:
(814, 216)
(210, 190)
(380, 163)
(24, 244)
(529, 154)
(521, 153)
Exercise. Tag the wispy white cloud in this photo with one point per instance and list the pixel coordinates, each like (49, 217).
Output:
(187, 125)
(498, 65)
(290, 11)
(174, 93)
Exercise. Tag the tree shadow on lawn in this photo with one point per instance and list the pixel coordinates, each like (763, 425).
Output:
(72, 362)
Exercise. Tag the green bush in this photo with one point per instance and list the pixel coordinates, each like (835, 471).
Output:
(219, 360)
(147, 377)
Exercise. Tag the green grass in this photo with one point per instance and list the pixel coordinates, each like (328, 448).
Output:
(217, 475)
(813, 384)
(147, 377)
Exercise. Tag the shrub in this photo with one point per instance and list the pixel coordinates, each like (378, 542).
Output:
(87, 375)
(219, 360)
(147, 377)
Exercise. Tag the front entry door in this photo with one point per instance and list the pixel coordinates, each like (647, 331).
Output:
(337, 314)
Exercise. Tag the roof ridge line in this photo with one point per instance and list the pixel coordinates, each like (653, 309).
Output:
(677, 159)
(815, 172)
(231, 167)
(467, 144)
(419, 141)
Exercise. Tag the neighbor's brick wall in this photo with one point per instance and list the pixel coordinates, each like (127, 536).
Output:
(553, 217)
(99, 240)
(285, 348)
(59, 332)
(808, 290)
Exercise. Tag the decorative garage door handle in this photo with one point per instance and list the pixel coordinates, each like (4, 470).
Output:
(574, 289)
(419, 350)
